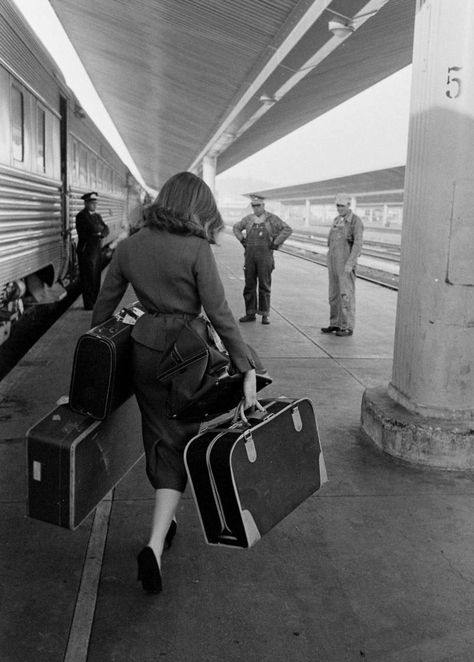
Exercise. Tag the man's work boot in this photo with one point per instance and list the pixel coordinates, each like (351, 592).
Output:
(265, 319)
(329, 329)
(344, 332)
(247, 318)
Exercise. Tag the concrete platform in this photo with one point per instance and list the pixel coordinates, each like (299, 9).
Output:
(377, 566)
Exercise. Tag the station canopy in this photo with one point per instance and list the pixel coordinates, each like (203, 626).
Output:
(385, 185)
(189, 79)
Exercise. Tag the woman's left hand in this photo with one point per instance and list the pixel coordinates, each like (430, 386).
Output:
(250, 389)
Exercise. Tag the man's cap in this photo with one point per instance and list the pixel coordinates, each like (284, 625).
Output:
(343, 199)
(256, 199)
(87, 197)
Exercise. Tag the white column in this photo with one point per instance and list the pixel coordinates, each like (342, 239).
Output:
(434, 347)
(209, 171)
(433, 369)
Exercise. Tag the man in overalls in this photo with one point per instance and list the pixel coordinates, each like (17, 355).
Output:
(345, 246)
(260, 233)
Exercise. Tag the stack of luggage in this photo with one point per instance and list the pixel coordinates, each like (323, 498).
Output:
(247, 471)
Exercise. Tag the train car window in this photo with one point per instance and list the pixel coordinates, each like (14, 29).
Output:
(40, 139)
(100, 181)
(5, 113)
(82, 166)
(75, 161)
(93, 172)
(107, 174)
(52, 156)
(18, 124)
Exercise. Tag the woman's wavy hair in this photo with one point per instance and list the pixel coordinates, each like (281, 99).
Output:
(185, 205)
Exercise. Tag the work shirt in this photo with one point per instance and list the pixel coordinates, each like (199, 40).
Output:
(277, 230)
(345, 240)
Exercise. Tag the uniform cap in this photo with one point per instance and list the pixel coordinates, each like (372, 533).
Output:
(256, 199)
(93, 195)
(343, 199)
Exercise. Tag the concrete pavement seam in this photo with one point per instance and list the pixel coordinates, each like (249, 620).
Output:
(81, 626)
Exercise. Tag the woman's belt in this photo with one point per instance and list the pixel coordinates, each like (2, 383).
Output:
(184, 316)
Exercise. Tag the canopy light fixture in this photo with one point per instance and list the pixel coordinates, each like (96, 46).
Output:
(268, 100)
(340, 29)
(342, 26)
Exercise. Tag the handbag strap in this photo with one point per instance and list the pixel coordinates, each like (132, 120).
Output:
(214, 336)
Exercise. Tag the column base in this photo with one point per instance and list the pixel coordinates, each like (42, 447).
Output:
(414, 438)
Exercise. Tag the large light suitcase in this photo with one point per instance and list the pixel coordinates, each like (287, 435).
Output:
(74, 461)
(101, 377)
(247, 478)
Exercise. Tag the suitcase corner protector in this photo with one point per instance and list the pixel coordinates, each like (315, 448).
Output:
(251, 529)
(323, 474)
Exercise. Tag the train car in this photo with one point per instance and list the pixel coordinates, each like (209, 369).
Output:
(50, 154)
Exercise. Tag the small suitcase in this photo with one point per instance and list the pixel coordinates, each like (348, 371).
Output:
(74, 461)
(101, 379)
(247, 478)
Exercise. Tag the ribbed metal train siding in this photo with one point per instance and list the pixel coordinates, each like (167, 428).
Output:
(17, 55)
(30, 224)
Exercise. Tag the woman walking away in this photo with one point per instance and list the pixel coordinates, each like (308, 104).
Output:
(172, 269)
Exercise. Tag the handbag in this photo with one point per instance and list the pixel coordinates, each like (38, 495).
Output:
(196, 369)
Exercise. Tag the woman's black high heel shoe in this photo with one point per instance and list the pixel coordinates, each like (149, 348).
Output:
(171, 534)
(148, 571)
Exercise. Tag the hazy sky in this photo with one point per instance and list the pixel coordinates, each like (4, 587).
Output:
(367, 132)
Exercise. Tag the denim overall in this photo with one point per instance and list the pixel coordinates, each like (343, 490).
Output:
(341, 284)
(259, 264)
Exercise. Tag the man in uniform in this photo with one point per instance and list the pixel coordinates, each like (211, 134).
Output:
(345, 245)
(260, 233)
(91, 229)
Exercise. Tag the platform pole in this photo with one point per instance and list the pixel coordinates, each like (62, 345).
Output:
(307, 213)
(426, 415)
(209, 171)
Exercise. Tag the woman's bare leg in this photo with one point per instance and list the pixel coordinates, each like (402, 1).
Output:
(166, 503)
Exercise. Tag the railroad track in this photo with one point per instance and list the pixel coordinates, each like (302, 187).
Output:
(381, 277)
(371, 248)
(313, 247)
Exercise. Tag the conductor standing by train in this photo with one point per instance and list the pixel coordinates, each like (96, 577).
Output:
(91, 229)
(264, 233)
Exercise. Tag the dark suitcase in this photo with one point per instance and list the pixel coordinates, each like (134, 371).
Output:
(74, 461)
(101, 379)
(246, 479)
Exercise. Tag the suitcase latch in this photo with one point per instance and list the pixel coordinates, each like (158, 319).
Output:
(296, 416)
(250, 446)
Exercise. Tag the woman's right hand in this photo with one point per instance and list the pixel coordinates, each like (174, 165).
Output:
(250, 389)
